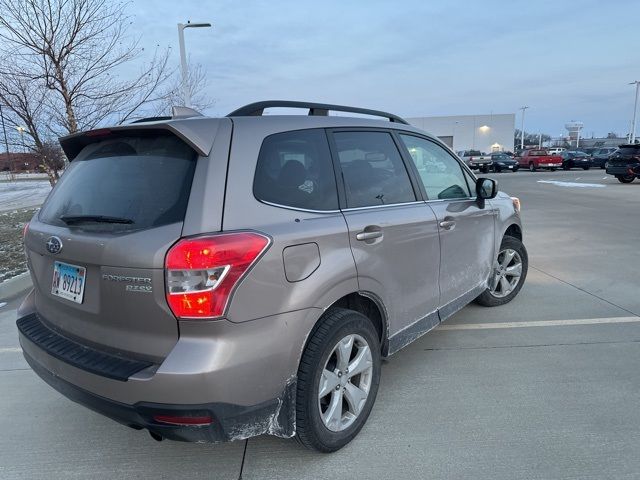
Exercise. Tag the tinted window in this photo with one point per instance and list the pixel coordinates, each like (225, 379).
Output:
(144, 179)
(629, 151)
(294, 169)
(441, 174)
(373, 171)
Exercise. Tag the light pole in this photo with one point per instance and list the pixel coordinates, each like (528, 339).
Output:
(522, 128)
(21, 131)
(6, 142)
(183, 59)
(635, 110)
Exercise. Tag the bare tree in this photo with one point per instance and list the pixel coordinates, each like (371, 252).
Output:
(79, 50)
(70, 65)
(51, 160)
(173, 94)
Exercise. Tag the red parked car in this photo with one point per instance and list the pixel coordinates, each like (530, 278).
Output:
(537, 158)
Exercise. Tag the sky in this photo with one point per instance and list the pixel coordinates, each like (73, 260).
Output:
(565, 60)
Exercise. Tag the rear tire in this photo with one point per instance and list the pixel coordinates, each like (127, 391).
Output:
(566, 167)
(323, 364)
(625, 178)
(503, 285)
(532, 167)
(586, 168)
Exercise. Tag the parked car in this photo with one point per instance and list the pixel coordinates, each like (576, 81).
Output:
(572, 159)
(502, 161)
(213, 279)
(476, 160)
(534, 159)
(600, 157)
(624, 164)
(556, 150)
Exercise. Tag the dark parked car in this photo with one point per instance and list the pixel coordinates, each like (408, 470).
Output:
(599, 157)
(572, 159)
(502, 161)
(624, 164)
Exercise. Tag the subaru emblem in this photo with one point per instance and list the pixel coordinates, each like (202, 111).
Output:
(54, 245)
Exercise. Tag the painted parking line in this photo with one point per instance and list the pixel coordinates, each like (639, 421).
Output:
(10, 350)
(541, 323)
(572, 184)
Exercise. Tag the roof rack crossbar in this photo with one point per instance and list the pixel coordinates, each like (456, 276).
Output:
(315, 109)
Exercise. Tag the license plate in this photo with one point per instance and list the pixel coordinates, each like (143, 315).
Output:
(68, 281)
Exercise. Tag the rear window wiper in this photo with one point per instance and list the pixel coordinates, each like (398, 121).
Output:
(72, 219)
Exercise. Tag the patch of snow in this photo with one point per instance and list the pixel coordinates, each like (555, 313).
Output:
(572, 184)
(23, 194)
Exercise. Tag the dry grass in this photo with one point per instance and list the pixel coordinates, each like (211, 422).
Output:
(12, 259)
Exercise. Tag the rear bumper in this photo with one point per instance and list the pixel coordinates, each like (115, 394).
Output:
(241, 375)
(620, 169)
(228, 421)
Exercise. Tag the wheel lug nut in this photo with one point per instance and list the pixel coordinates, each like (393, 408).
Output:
(339, 374)
(337, 387)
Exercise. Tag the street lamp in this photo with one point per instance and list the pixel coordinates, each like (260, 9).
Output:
(183, 58)
(21, 131)
(522, 128)
(635, 110)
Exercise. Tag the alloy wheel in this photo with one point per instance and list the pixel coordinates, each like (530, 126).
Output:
(507, 273)
(345, 382)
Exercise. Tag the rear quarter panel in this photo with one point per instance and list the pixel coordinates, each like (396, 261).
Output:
(266, 290)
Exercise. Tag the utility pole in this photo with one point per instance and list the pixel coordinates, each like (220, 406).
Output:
(183, 59)
(635, 110)
(6, 142)
(522, 128)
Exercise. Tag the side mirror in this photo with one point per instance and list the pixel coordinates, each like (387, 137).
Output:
(485, 188)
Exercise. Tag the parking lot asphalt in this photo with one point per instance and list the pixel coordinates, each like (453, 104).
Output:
(544, 387)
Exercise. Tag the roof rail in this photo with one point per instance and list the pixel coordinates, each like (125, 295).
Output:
(315, 109)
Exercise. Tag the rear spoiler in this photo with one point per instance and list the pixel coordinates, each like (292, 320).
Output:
(198, 133)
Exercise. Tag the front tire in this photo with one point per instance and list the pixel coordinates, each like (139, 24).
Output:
(509, 274)
(532, 167)
(338, 380)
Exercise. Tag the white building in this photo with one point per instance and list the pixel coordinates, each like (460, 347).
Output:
(487, 133)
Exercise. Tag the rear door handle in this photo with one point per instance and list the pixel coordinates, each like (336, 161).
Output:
(447, 224)
(368, 235)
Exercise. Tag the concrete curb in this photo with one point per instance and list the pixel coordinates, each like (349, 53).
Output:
(12, 287)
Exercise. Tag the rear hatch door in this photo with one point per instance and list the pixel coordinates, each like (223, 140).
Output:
(96, 249)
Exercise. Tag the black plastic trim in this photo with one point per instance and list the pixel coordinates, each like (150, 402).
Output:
(77, 355)
(315, 109)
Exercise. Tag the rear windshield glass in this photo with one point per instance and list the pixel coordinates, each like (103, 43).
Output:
(127, 183)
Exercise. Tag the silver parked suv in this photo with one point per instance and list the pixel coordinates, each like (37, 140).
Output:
(212, 279)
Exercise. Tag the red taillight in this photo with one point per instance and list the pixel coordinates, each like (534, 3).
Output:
(25, 229)
(178, 420)
(203, 271)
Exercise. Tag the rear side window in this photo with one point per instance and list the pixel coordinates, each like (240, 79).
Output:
(142, 181)
(373, 171)
(294, 169)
